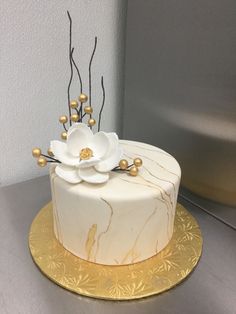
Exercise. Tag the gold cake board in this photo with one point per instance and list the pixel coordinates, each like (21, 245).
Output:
(152, 276)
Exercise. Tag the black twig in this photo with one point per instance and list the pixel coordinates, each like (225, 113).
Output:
(64, 126)
(81, 118)
(103, 102)
(78, 112)
(71, 66)
(52, 159)
(90, 78)
(78, 72)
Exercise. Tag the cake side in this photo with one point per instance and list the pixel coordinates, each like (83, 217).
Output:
(126, 220)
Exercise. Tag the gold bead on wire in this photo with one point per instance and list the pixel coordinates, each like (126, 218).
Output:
(63, 119)
(88, 110)
(133, 171)
(50, 153)
(36, 152)
(91, 122)
(123, 164)
(74, 117)
(74, 104)
(138, 162)
(42, 162)
(83, 98)
(63, 135)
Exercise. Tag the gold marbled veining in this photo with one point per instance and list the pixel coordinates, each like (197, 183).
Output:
(152, 276)
(132, 252)
(107, 228)
(55, 210)
(90, 241)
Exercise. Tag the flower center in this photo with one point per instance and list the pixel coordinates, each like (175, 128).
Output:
(86, 153)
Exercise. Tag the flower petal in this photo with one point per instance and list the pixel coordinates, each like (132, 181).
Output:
(111, 162)
(90, 175)
(82, 127)
(100, 144)
(88, 163)
(69, 174)
(61, 153)
(76, 141)
(114, 143)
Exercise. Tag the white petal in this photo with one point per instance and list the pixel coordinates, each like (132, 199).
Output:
(77, 140)
(90, 175)
(114, 144)
(69, 174)
(80, 126)
(61, 153)
(111, 162)
(100, 144)
(88, 163)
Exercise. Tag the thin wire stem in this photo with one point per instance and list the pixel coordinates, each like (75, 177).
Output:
(64, 127)
(90, 76)
(53, 159)
(103, 102)
(79, 112)
(78, 72)
(71, 66)
(81, 118)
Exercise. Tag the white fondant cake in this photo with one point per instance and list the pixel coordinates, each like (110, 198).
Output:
(125, 220)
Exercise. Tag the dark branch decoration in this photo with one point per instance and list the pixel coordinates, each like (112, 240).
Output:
(71, 65)
(103, 102)
(78, 72)
(90, 74)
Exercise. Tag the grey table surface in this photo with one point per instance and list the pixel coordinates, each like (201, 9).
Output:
(211, 288)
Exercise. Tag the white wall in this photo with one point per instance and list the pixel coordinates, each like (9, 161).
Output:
(35, 72)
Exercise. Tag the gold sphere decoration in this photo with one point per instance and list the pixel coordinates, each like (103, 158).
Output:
(74, 117)
(74, 104)
(36, 152)
(83, 98)
(138, 162)
(91, 122)
(63, 119)
(42, 161)
(50, 153)
(123, 164)
(88, 109)
(63, 135)
(133, 171)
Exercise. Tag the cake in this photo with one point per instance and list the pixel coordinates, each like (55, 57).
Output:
(113, 200)
(125, 220)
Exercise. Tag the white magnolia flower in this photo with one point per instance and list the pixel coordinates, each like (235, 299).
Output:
(86, 156)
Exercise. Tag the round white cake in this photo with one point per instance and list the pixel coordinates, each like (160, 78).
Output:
(125, 220)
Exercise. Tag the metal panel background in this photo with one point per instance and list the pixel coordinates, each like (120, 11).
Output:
(180, 88)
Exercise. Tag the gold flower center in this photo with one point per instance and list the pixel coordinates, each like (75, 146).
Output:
(86, 153)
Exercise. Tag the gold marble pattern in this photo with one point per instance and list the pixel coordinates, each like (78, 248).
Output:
(152, 276)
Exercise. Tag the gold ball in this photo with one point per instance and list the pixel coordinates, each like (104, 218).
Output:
(50, 153)
(64, 135)
(36, 152)
(138, 162)
(123, 164)
(88, 109)
(42, 161)
(63, 119)
(133, 171)
(83, 98)
(74, 117)
(74, 104)
(91, 122)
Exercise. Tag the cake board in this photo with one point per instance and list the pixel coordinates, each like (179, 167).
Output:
(126, 282)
